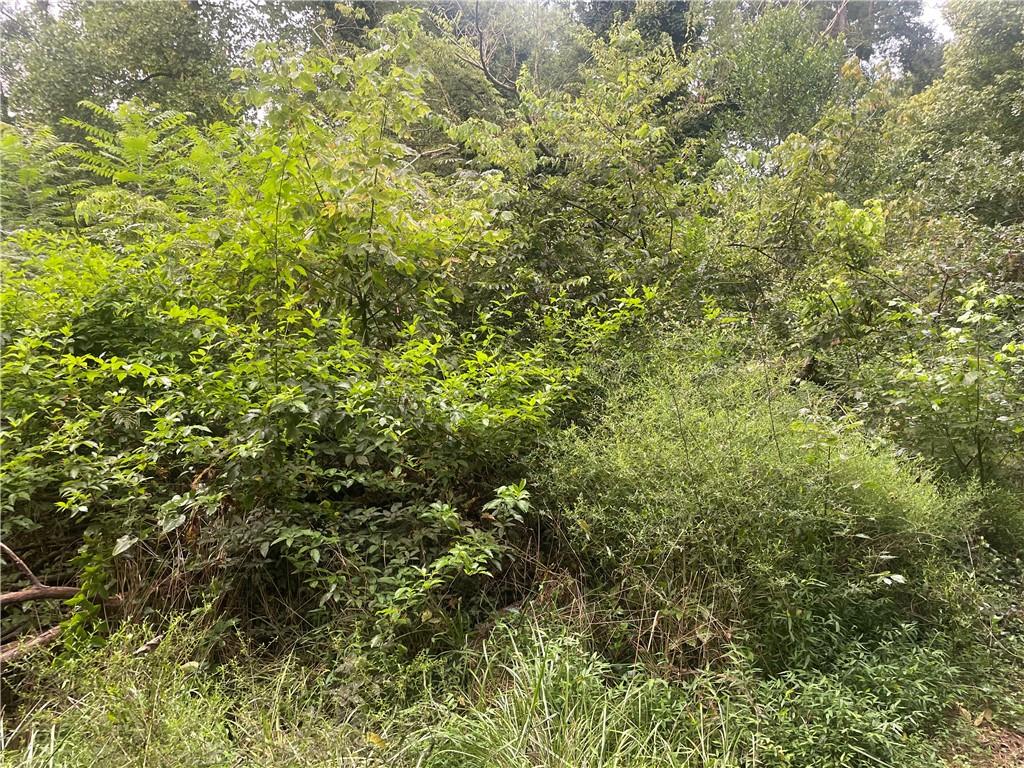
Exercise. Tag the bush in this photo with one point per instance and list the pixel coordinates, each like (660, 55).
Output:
(289, 457)
(714, 505)
(241, 377)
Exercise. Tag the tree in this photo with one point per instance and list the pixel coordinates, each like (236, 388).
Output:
(777, 72)
(892, 29)
(174, 53)
(652, 18)
(960, 142)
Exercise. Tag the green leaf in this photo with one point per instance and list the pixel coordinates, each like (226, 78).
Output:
(123, 544)
(171, 523)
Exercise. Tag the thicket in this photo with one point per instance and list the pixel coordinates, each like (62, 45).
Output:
(512, 385)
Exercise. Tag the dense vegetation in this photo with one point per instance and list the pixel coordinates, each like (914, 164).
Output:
(533, 384)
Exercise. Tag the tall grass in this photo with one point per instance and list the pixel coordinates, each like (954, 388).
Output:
(544, 701)
(540, 699)
(536, 696)
(171, 709)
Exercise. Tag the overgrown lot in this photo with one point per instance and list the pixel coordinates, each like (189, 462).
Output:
(538, 384)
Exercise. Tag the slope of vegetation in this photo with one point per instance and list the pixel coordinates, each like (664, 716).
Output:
(540, 384)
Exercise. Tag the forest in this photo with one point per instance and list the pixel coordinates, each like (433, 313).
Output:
(528, 384)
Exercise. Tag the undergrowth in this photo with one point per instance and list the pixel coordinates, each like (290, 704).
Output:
(536, 694)
(734, 574)
(510, 385)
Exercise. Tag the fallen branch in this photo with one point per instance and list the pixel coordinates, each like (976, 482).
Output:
(38, 590)
(42, 592)
(14, 650)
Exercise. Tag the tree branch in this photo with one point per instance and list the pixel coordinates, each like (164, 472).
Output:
(12, 651)
(152, 75)
(20, 565)
(839, 22)
(42, 592)
(508, 90)
(38, 590)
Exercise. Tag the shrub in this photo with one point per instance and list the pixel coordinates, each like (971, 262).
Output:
(291, 456)
(714, 505)
(241, 377)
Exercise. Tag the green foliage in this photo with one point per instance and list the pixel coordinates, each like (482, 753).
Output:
(545, 700)
(892, 28)
(540, 384)
(713, 506)
(171, 706)
(537, 696)
(541, 697)
(673, 18)
(268, 383)
(38, 189)
(957, 392)
(959, 142)
(780, 73)
(174, 53)
(600, 173)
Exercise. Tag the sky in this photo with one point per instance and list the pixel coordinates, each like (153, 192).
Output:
(932, 14)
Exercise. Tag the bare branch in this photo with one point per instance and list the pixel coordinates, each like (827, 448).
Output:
(38, 590)
(41, 592)
(505, 88)
(839, 22)
(12, 651)
(20, 565)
